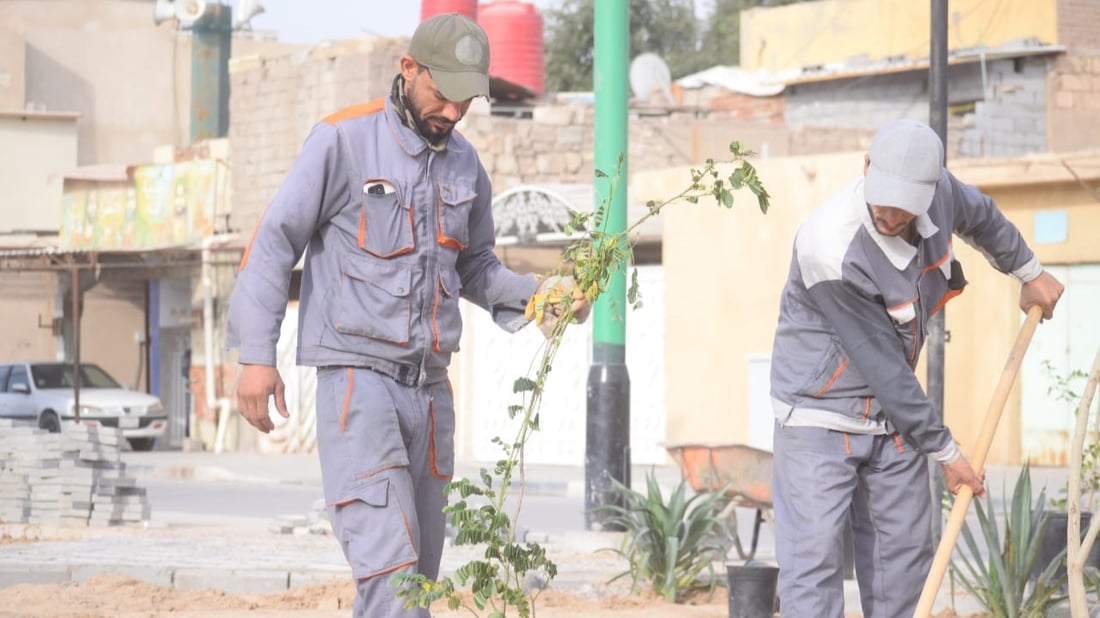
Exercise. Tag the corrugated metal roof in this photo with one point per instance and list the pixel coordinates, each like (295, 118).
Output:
(106, 172)
(735, 79)
(765, 84)
(849, 70)
(31, 114)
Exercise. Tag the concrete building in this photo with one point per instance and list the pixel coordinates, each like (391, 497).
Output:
(89, 91)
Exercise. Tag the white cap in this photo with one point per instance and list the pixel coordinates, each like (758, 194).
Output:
(906, 163)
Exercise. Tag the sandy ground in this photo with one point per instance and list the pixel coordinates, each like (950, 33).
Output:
(121, 597)
(111, 596)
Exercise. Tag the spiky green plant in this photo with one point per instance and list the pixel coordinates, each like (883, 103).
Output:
(998, 578)
(669, 545)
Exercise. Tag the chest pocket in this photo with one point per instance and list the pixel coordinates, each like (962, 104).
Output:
(385, 221)
(455, 202)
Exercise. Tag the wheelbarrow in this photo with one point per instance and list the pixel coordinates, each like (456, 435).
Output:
(743, 473)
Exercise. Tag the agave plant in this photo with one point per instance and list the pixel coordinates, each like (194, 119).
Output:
(669, 546)
(998, 577)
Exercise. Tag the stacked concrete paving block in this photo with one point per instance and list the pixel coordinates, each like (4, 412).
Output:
(72, 478)
(43, 463)
(15, 490)
(115, 497)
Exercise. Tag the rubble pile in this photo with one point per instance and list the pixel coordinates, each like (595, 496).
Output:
(72, 478)
(313, 522)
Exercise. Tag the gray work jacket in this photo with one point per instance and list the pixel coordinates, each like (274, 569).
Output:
(396, 233)
(855, 308)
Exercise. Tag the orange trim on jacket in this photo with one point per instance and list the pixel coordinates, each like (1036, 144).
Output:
(943, 301)
(939, 262)
(355, 111)
(832, 380)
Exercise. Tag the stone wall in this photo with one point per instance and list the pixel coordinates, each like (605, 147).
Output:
(556, 143)
(999, 112)
(276, 100)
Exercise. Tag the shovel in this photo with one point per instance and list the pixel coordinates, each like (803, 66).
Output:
(977, 460)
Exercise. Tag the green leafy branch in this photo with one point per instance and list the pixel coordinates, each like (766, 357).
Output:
(1063, 388)
(497, 579)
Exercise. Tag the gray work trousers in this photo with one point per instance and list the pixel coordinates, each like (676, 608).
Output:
(821, 477)
(387, 451)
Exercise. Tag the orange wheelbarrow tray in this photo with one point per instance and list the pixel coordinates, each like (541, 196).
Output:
(743, 473)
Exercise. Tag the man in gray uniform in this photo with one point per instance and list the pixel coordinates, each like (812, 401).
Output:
(394, 208)
(870, 267)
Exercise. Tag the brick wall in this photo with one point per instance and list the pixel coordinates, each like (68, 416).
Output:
(1078, 21)
(843, 114)
(1012, 119)
(1074, 81)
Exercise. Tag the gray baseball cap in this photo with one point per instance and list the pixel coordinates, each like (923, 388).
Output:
(906, 163)
(456, 51)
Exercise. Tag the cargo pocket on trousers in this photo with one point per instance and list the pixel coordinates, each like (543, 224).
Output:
(374, 530)
(442, 445)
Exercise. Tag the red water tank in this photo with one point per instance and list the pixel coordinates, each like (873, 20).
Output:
(515, 41)
(430, 8)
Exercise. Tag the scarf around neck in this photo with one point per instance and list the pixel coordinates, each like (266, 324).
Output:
(401, 104)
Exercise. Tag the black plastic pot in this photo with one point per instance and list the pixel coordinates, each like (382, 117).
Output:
(1054, 541)
(752, 589)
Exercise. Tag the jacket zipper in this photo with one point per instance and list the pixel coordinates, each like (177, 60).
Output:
(430, 274)
(921, 331)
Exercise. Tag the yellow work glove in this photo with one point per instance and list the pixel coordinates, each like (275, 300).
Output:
(545, 305)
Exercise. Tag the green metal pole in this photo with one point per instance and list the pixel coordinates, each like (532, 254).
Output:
(210, 50)
(607, 444)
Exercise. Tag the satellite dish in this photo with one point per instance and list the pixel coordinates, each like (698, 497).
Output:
(246, 10)
(188, 11)
(163, 10)
(649, 73)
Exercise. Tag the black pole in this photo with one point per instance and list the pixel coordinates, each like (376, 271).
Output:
(607, 443)
(937, 119)
(75, 273)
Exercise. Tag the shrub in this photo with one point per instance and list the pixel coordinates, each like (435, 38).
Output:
(999, 579)
(669, 545)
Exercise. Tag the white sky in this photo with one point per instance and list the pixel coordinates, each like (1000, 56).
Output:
(313, 21)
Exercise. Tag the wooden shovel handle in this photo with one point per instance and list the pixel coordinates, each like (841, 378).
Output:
(977, 461)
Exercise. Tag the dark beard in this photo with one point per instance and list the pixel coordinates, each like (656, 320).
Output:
(410, 117)
(908, 234)
(437, 138)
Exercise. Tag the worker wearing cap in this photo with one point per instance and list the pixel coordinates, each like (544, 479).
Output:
(392, 210)
(871, 266)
